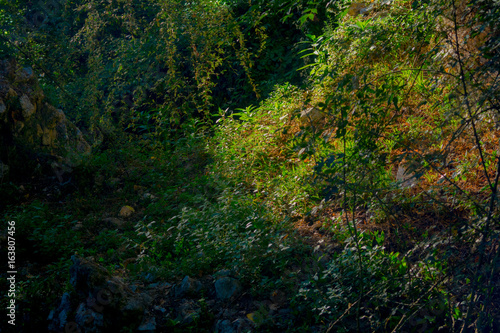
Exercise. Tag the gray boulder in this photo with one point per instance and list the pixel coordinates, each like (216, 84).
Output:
(32, 129)
(188, 286)
(59, 317)
(106, 302)
(224, 326)
(227, 287)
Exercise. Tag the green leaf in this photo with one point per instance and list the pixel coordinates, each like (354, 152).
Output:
(306, 17)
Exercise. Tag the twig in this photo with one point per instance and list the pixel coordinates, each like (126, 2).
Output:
(347, 311)
(403, 319)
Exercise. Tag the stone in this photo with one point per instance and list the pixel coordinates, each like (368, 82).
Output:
(59, 317)
(27, 107)
(224, 326)
(33, 129)
(109, 301)
(2, 107)
(405, 177)
(48, 136)
(188, 286)
(11, 93)
(78, 226)
(60, 169)
(148, 325)
(139, 188)
(227, 287)
(223, 272)
(159, 285)
(82, 147)
(190, 317)
(311, 115)
(243, 325)
(285, 312)
(4, 169)
(188, 312)
(229, 313)
(25, 74)
(126, 211)
(88, 319)
(85, 275)
(138, 303)
(62, 131)
(113, 182)
(149, 196)
(357, 8)
(115, 222)
(18, 127)
(160, 309)
(99, 180)
(278, 297)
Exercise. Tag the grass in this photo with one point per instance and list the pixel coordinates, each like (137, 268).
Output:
(312, 209)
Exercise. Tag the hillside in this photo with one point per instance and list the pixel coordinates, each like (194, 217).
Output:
(250, 166)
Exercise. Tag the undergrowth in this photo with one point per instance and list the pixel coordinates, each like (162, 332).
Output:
(367, 195)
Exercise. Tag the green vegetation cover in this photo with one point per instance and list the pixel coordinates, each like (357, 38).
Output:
(336, 163)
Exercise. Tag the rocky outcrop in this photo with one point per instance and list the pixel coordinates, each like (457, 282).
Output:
(31, 128)
(227, 287)
(103, 302)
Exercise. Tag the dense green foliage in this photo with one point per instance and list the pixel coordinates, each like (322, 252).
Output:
(376, 210)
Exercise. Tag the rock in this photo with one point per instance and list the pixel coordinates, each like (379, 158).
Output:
(115, 222)
(59, 170)
(25, 75)
(190, 318)
(188, 286)
(227, 287)
(84, 275)
(4, 169)
(366, 9)
(107, 303)
(137, 303)
(113, 182)
(229, 313)
(318, 209)
(59, 317)
(223, 272)
(158, 285)
(149, 196)
(126, 211)
(188, 312)
(148, 277)
(2, 107)
(243, 325)
(89, 319)
(11, 93)
(98, 180)
(278, 297)
(224, 326)
(139, 189)
(32, 129)
(26, 106)
(160, 309)
(406, 177)
(311, 115)
(357, 8)
(148, 325)
(258, 317)
(78, 226)
(285, 312)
